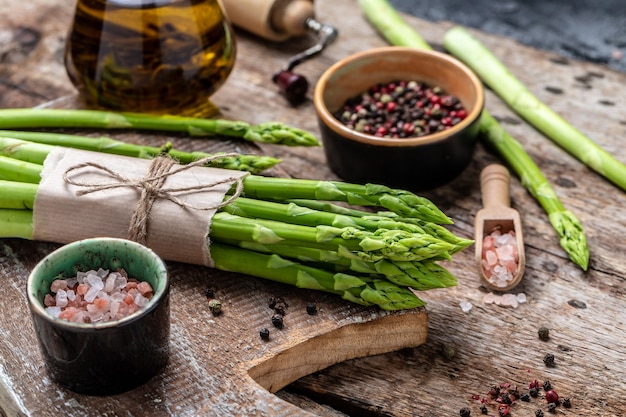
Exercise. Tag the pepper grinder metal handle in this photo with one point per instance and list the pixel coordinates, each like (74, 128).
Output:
(278, 20)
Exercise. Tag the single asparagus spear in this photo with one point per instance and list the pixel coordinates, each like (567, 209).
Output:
(35, 146)
(491, 70)
(17, 195)
(390, 24)
(271, 132)
(16, 223)
(15, 170)
(380, 219)
(566, 224)
(356, 289)
(401, 202)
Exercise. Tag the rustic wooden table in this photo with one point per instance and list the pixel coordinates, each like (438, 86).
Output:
(464, 354)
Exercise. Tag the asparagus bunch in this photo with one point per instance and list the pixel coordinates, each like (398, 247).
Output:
(569, 228)
(270, 132)
(367, 258)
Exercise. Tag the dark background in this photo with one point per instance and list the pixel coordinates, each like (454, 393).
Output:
(590, 30)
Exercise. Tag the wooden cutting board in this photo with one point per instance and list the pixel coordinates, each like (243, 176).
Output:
(219, 365)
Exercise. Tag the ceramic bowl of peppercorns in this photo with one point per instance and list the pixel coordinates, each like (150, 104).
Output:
(399, 116)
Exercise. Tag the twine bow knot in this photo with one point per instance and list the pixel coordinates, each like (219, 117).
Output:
(152, 188)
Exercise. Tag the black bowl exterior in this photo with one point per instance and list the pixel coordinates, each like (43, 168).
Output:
(110, 360)
(416, 163)
(417, 168)
(106, 357)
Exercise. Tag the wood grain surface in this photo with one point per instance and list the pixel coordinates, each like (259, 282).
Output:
(465, 352)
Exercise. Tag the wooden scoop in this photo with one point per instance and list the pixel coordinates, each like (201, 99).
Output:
(497, 214)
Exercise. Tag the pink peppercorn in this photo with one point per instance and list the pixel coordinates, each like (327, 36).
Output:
(552, 396)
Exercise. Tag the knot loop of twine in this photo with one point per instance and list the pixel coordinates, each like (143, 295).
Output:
(152, 188)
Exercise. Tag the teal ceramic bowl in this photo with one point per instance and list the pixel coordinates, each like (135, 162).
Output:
(107, 357)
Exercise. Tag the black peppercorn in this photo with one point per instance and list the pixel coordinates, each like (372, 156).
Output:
(278, 305)
(544, 333)
(577, 304)
(506, 398)
(311, 309)
(552, 407)
(538, 413)
(567, 403)
(525, 397)
(210, 293)
(547, 386)
(465, 412)
(277, 321)
(548, 360)
(533, 392)
(265, 334)
(280, 309)
(483, 409)
(271, 302)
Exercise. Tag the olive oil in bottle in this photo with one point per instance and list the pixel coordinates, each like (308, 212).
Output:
(156, 56)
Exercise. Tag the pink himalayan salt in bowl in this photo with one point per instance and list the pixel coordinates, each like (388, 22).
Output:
(97, 296)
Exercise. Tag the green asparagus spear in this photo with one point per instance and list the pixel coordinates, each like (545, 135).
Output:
(565, 223)
(15, 170)
(384, 244)
(16, 223)
(491, 70)
(295, 214)
(359, 290)
(419, 275)
(17, 195)
(35, 146)
(401, 202)
(271, 132)
(387, 220)
(391, 25)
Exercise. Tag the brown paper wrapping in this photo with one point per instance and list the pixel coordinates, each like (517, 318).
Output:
(175, 233)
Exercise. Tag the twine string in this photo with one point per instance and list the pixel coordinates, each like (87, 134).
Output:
(151, 188)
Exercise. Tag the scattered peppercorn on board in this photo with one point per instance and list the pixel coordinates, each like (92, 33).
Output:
(432, 361)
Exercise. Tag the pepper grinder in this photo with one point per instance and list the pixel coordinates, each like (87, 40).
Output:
(277, 21)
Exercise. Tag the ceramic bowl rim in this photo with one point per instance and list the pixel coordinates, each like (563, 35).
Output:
(335, 125)
(37, 307)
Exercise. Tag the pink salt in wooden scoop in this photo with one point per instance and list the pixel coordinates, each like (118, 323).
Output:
(498, 233)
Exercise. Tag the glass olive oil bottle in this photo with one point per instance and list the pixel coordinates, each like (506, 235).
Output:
(156, 56)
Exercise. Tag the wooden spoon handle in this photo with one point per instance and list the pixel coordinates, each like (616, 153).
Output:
(494, 182)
